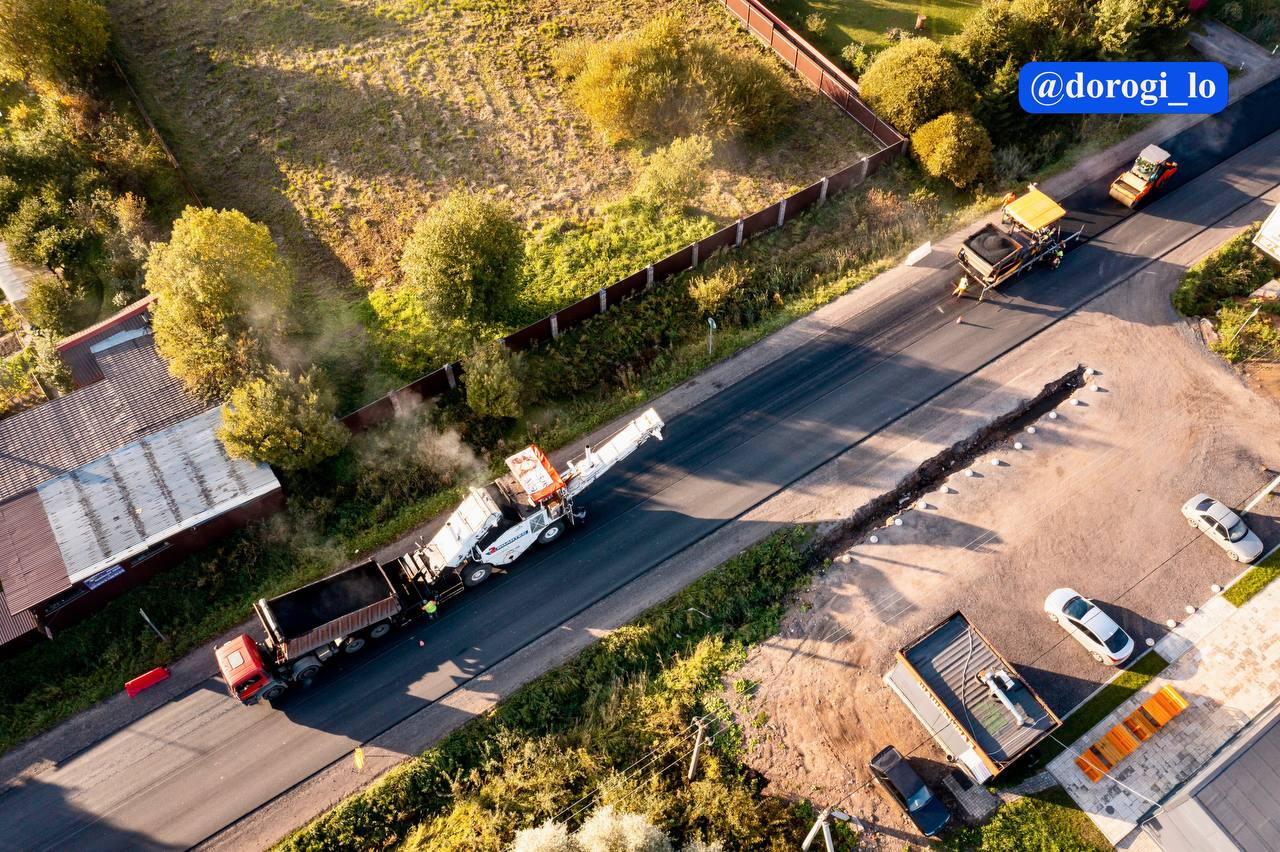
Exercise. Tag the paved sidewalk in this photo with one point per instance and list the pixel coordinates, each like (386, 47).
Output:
(1226, 662)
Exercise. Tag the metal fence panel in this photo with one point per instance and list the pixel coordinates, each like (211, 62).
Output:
(675, 262)
(373, 413)
(760, 221)
(740, 8)
(759, 25)
(580, 310)
(518, 341)
(627, 287)
(850, 175)
(802, 200)
(722, 238)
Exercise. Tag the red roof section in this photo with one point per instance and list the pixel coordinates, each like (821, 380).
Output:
(31, 566)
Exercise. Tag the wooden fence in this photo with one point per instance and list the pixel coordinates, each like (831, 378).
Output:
(813, 67)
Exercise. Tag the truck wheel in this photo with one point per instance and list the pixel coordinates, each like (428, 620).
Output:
(475, 574)
(353, 645)
(551, 533)
(379, 630)
(306, 670)
(273, 692)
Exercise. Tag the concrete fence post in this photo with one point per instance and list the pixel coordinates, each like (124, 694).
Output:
(782, 212)
(865, 163)
(604, 300)
(694, 264)
(448, 374)
(555, 327)
(822, 193)
(648, 276)
(738, 239)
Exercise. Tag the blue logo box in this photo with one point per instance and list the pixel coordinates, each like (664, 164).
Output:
(1122, 87)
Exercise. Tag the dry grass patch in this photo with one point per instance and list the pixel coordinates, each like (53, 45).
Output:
(339, 122)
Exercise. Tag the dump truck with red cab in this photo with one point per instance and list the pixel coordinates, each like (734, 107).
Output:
(494, 525)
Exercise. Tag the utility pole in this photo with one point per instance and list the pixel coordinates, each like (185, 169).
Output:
(697, 746)
(823, 824)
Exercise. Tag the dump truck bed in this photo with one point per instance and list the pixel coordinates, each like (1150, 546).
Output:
(318, 613)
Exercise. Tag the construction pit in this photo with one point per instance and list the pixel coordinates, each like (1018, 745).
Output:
(1063, 463)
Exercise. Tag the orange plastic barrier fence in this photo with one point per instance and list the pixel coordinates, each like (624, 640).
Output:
(1124, 739)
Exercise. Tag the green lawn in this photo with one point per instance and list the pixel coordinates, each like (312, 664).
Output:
(1255, 581)
(867, 22)
(1046, 821)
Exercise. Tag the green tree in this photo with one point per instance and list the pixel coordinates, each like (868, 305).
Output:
(493, 389)
(1061, 29)
(912, 82)
(281, 420)
(51, 305)
(992, 36)
(954, 147)
(51, 40)
(677, 174)
(1139, 29)
(464, 259)
(221, 290)
(662, 81)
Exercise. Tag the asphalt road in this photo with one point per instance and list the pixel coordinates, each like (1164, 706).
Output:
(200, 762)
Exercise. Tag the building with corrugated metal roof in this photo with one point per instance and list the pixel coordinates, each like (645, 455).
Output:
(105, 486)
(970, 699)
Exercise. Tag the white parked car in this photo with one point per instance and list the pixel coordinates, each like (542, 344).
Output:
(1224, 526)
(1090, 626)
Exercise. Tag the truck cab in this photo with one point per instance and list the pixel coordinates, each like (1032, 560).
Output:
(247, 679)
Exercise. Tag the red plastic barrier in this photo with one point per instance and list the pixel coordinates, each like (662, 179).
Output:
(144, 681)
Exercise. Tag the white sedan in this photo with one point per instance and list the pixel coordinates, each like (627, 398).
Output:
(1090, 626)
(1224, 526)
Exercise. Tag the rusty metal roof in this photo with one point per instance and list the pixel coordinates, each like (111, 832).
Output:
(76, 350)
(15, 626)
(141, 494)
(31, 566)
(136, 396)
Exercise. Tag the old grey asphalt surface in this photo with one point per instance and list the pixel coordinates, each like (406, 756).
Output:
(200, 762)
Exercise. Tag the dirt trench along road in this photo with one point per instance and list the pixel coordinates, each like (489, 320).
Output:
(201, 762)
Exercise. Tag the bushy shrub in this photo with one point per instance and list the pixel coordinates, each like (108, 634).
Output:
(677, 174)
(661, 82)
(954, 147)
(464, 259)
(51, 40)
(1235, 269)
(857, 57)
(407, 457)
(816, 23)
(51, 305)
(912, 82)
(1242, 336)
(613, 830)
(491, 382)
(284, 421)
(222, 290)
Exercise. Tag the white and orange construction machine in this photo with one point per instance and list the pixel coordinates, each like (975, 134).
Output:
(340, 614)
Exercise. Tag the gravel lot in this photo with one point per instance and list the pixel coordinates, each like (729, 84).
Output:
(1091, 502)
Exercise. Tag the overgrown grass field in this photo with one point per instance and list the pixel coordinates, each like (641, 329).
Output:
(857, 21)
(340, 121)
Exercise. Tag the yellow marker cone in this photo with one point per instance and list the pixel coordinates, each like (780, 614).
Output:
(358, 756)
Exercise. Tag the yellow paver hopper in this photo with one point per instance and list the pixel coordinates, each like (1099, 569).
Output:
(1034, 211)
